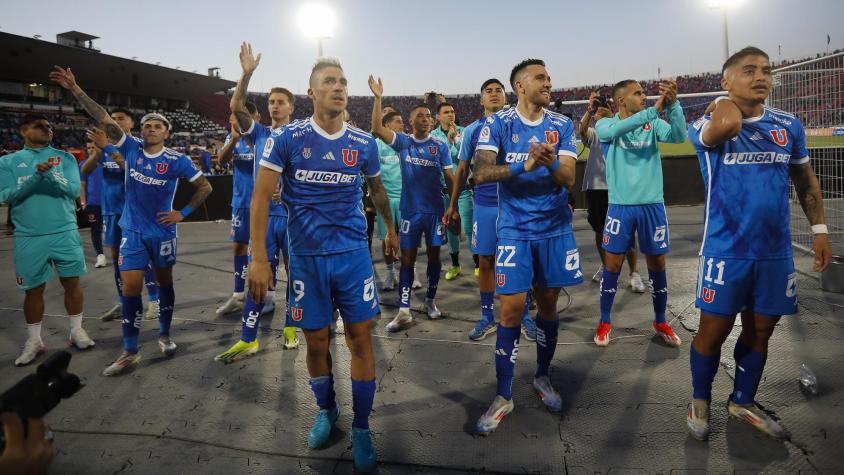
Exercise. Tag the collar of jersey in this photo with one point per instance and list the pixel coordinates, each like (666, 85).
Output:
(427, 137)
(325, 134)
(527, 122)
(25, 147)
(750, 120)
(155, 155)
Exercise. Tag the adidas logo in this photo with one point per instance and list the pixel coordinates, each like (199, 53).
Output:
(500, 352)
(663, 246)
(756, 136)
(579, 274)
(328, 156)
(148, 167)
(533, 139)
(22, 165)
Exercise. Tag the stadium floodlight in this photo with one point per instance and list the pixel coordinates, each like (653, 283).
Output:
(723, 5)
(317, 21)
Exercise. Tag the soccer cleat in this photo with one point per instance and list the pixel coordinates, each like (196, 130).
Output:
(238, 351)
(101, 261)
(166, 345)
(477, 273)
(233, 304)
(483, 328)
(321, 430)
(432, 310)
(550, 397)
(291, 339)
(389, 281)
(31, 349)
(452, 273)
(122, 364)
(602, 334)
(667, 333)
(492, 417)
(697, 419)
(401, 320)
(111, 314)
(758, 418)
(153, 310)
(529, 328)
(363, 450)
(636, 283)
(416, 284)
(598, 275)
(80, 339)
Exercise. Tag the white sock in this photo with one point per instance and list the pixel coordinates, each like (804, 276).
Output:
(238, 295)
(75, 322)
(33, 330)
(269, 297)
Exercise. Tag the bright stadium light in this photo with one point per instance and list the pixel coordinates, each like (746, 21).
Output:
(723, 5)
(317, 21)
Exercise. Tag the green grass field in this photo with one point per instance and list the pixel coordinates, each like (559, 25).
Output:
(685, 148)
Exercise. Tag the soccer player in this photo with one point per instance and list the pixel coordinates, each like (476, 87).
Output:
(240, 153)
(531, 152)
(148, 223)
(320, 160)
(595, 189)
(113, 199)
(451, 134)
(280, 105)
(424, 160)
(636, 206)
(747, 153)
(90, 197)
(41, 185)
(391, 177)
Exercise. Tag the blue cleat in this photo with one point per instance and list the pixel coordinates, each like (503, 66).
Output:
(529, 328)
(321, 431)
(483, 328)
(363, 450)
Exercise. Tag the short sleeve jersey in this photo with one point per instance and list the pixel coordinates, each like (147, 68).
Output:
(93, 185)
(114, 184)
(258, 134)
(422, 165)
(486, 194)
(243, 160)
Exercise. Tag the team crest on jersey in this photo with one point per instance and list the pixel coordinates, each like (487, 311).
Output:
(780, 137)
(552, 136)
(350, 157)
(432, 149)
(707, 294)
(646, 126)
(306, 152)
(606, 238)
(161, 168)
(19, 280)
(501, 280)
(54, 161)
(296, 314)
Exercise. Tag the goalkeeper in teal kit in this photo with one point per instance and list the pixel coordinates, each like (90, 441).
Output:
(41, 184)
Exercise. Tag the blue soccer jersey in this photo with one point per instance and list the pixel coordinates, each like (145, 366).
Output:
(243, 161)
(531, 205)
(746, 181)
(321, 174)
(422, 166)
(259, 134)
(93, 185)
(151, 182)
(486, 194)
(114, 184)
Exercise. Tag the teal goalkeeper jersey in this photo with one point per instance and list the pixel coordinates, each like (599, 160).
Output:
(634, 169)
(439, 134)
(42, 203)
(390, 170)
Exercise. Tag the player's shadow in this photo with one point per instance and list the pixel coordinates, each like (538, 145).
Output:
(749, 449)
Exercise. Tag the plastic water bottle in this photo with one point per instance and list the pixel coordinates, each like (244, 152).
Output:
(808, 380)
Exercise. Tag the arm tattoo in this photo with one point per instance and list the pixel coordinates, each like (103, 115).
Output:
(203, 189)
(379, 197)
(93, 109)
(486, 170)
(113, 131)
(808, 192)
(238, 103)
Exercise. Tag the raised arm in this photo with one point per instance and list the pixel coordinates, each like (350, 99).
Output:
(99, 138)
(228, 147)
(674, 129)
(248, 63)
(378, 129)
(608, 130)
(90, 164)
(811, 199)
(382, 203)
(66, 79)
(724, 124)
(583, 125)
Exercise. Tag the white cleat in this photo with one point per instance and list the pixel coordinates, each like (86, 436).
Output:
(233, 304)
(31, 349)
(166, 345)
(636, 283)
(112, 314)
(153, 310)
(598, 275)
(122, 364)
(432, 310)
(401, 320)
(758, 419)
(389, 281)
(550, 397)
(80, 339)
(492, 417)
(101, 261)
(697, 419)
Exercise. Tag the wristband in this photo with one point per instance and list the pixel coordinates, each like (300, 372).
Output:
(108, 150)
(186, 211)
(554, 166)
(517, 168)
(820, 229)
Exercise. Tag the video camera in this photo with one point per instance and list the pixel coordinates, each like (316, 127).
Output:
(37, 394)
(601, 101)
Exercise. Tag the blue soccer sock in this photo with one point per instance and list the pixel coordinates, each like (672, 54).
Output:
(323, 388)
(151, 285)
(749, 367)
(165, 315)
(434, 269)
(363, 394)
(132, 311)
(488, 306)
(546, 344)
(506, 349)
(659, 293)
(703, 373)
(118, 282)
(274, 268)
(609, 286)
(241, 263)
(405, 281)
(250, 319)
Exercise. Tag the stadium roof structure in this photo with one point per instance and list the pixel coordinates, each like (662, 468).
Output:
(29, 60)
